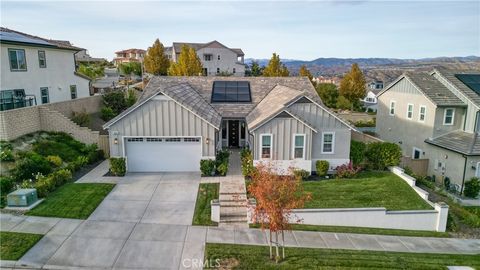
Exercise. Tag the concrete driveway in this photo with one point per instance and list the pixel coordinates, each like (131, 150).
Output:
(141, 224)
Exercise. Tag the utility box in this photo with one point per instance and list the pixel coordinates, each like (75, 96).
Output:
(22, 197)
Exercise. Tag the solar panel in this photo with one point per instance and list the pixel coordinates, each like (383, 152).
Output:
(15, 37)
(231, 91)
(470, 80)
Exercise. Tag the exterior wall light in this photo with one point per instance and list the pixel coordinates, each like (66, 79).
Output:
(207, 140)
(115, 141)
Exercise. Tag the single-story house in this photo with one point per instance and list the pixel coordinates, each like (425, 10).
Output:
(180, 120)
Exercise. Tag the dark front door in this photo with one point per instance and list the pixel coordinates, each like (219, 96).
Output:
(233, 133)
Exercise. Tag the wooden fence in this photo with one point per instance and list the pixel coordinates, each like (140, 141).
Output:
(104, 144)
(362, 137)
(418, 166)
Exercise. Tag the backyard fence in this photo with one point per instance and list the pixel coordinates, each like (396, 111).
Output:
(362, 137)
(104, 144)
(418, 166)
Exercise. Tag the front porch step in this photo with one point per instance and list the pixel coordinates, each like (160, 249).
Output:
(233, 219)
(236, 197)
(233, 204)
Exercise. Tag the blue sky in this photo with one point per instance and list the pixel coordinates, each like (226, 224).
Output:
(296, 30)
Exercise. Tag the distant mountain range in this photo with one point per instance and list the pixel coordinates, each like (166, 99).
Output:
(386, 69)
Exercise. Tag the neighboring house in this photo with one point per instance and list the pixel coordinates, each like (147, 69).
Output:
(323, 79)
(83, 57)
(375, 85)
(38, 71)
(130, 55)
(435, 116)
(216, 58)
(180, 120)
(370, 100)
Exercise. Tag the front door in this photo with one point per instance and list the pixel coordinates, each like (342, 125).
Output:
(233, 133)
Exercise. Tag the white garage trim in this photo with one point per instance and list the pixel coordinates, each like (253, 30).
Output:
(125, 140)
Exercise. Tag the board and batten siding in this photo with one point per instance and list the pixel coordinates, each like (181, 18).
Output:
(325, 122)
(282, 130)
(162, 117)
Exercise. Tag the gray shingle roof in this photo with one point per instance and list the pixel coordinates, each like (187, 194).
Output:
(458, 141)
(450, 76)
(433, 89)
(197, 46)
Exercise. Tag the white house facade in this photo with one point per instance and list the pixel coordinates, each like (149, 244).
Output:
(35, 71)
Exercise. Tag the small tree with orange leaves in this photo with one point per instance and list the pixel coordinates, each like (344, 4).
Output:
(276, 196)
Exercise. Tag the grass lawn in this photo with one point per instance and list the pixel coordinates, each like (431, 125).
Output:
(368, 189)
(362, 230)
(72, 201)
(256, 257)
(13, 245)
(203, 209)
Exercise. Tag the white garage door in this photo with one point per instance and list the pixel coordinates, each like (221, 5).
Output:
(155, 154)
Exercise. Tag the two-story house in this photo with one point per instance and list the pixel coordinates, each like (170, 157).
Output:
(36, 70)
(216, 58)
(435, 116)
(130, 55)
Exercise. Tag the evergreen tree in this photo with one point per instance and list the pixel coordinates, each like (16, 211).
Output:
(353, 85)
(328, 92)
(255, 69)
(275, 68)
(156, 62)
(188, 64)
(304, 72)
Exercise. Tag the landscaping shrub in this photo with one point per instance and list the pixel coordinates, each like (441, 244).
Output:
(44, 185)
(117, 166)
(367, 123)
(357, 152)
(380, 155)
(131, 98)
(207, 167)
(222, 168)
(29, 166)
(107, 113)
(301, 174)
(247, 162)
(93, 153)
(472, 187)
(60, 177)
(322, 167)
(5, 145)
(55, 160)
(6, 185)
(6, 155)
(79, 162)
(347, 170)
(116, 101)
(81, 118)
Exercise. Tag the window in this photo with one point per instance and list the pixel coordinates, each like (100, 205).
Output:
(42, 60)
(328, 140)
(73, 91)
(477, 171)
(205, 71)
(416, 153)
(207, 57)
(173, 139)
(218, 70)
(224, 130)
(234, 70)
(242, 130)
(44, 95)
(266, 141)
(299, 146)
(218, 57)
(448, 116)
(392, 107)
(231, 91)
(422, 113)
(18, 62)
(370, 99)
(409, 111)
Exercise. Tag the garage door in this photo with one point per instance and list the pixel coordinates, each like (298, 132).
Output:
(155, 154)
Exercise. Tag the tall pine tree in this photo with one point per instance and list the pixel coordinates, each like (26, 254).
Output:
(353, 85)
(275, 68)
(156, 62)
(188, 63)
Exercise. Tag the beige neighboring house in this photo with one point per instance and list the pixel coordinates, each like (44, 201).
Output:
(216, 58)
(130, 55)
(180, 120)
(84, 57)
(37, 70)
(435, 116)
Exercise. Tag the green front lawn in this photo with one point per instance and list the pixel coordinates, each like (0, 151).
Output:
(363, 230)
(368, 189)
(257, 257)
(203, 209)
(72, 201)
(13, 245)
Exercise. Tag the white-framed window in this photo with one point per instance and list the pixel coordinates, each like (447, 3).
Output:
(422, 113)
(299, 146)
(207, 57)
(17, 59)
(448, 116)
(477, 172)
(416, 153)
(42, 59)
(266, 145)
(328, 142)
(44, 95)
(410, 111)
(73, 91)
(392, 107)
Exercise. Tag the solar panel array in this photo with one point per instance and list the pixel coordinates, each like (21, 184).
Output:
(470, 80)
(15, 37)
(231, 91)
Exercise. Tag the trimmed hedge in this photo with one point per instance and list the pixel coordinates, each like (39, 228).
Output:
(117, 166)
(472, 187)
(207, 167)
(322, 167)
(381, 155)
